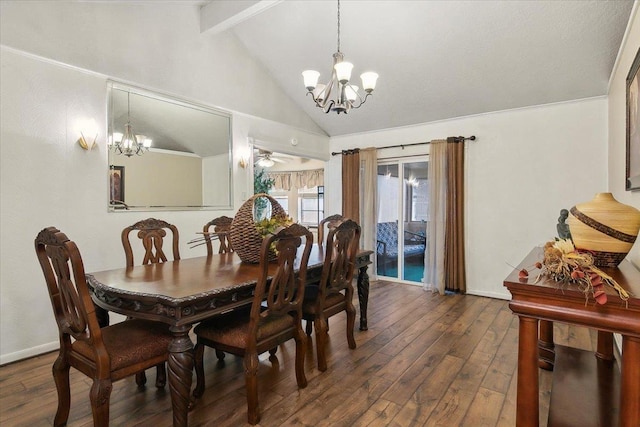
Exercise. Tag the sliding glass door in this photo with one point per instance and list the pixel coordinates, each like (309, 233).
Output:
(403, 206)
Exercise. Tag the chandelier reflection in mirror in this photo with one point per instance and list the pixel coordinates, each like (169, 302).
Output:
(129, 143)
(338, 94)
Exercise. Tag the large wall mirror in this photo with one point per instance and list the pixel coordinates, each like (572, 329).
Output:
(188, 164)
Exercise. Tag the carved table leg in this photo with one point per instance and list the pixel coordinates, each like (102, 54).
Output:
(102, 315)
(546, 350)
(180, 371)
(528, 399)
(630, 387)
(363, 296)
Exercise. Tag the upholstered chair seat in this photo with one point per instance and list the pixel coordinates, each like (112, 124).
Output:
(310, 307)
(130, 342)
(232, 332)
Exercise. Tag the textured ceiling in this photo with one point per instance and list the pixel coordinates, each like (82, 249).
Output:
(441, 59)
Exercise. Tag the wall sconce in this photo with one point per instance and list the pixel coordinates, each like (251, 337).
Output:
(243, 154)
(88, 128)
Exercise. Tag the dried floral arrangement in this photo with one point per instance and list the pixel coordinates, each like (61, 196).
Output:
(272, 225)
(564, 264)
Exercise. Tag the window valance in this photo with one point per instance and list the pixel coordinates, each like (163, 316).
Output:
(300, 179)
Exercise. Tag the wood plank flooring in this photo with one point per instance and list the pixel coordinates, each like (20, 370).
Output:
(426, 360)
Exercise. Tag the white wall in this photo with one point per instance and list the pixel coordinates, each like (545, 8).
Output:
(524, 167)
(617, 123)
(153, 44)
(56, 58)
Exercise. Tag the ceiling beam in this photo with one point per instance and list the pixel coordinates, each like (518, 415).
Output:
(220, 15)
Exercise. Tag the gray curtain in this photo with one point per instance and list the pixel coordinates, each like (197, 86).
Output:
(444, 258)
(434, 254)
(368, 197)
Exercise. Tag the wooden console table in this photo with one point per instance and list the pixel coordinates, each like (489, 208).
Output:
(538, 305)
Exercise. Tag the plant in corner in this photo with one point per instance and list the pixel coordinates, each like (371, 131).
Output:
(261, 184)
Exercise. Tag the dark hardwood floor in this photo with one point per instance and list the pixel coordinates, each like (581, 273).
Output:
(426, 360)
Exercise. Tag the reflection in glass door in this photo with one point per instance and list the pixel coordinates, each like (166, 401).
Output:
(403, 193)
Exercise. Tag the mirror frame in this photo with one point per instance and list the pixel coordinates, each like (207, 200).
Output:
(163, 97)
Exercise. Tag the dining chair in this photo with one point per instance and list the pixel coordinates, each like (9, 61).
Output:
(275, 315)
(330, 221)
(151, 232)
(103, 354)
(221, 226)
(335, 291)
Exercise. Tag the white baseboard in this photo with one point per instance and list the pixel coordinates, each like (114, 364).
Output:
(29, 352)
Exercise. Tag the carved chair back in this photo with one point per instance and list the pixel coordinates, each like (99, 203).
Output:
(283, 295)
(330, 221)
(73, 308)
(340, 261)
(151, 232)
(221, 228)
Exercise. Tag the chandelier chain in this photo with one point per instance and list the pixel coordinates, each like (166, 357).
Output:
(339, 94)
(338, 25)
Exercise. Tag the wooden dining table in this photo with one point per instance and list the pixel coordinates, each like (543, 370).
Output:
(187, 291)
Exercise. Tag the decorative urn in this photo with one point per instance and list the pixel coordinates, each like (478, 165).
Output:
(604, 227)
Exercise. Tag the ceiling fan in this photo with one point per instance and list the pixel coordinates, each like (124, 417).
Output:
(266, 159)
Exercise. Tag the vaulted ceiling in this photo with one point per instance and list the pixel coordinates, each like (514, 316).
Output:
(436, 59)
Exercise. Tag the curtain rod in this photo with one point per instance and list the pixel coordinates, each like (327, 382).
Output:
(456, 139)
(295, 171)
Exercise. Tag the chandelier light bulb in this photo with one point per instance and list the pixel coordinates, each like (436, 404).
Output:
(310, 79)
(351, 92)
(369, 81)
(343, 71)
(265, 162)
(116, 138)
(319, 92)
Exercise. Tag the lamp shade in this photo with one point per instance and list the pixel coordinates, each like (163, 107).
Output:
(310, 78)
(265, 162)
(351, 92)
(343, 71)
(369, 81)
(116, 138)
(319, 92)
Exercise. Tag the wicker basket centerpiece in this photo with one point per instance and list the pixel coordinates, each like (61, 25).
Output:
(245, 236)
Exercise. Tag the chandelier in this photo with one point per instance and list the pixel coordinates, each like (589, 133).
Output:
(338, 94)
(129, 143)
